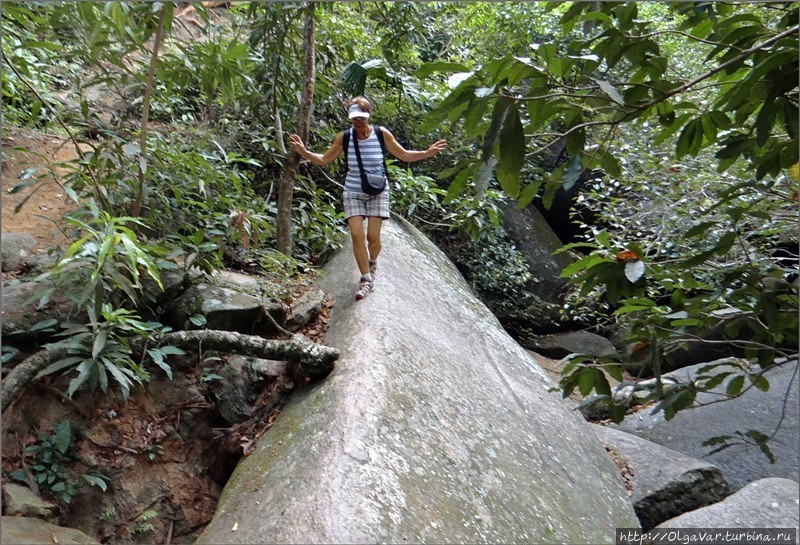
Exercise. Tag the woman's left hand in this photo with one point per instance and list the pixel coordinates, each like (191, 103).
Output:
(437, 146)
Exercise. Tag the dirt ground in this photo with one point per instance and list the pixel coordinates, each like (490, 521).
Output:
(44, 202)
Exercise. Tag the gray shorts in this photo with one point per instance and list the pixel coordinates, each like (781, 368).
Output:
(361, 204)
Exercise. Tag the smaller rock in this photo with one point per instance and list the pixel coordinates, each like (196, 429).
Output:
(665, 483)
(31, 531)
(248, 384)
(574, 342)
(766, 503)
(16, 248)
(305, 309)
(22, 318)
(19, 500)
(43, 261)
(225, 309)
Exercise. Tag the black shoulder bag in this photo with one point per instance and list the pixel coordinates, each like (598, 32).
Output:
(371, 184)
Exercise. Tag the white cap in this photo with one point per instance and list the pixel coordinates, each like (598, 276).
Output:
(356, 111)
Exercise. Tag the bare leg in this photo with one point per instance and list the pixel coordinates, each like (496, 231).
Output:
(356, 225)
(374, 225)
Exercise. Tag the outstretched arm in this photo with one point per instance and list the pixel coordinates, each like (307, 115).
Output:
(321, 159)
(409, 156)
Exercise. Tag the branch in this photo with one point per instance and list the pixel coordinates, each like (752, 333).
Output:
(743, 55)
(305, 357)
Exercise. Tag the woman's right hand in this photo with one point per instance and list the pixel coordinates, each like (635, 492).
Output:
(297, 143)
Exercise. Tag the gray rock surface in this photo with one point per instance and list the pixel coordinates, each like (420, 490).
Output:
(225, 309)
(560, 345)
(19, 500)
(21, 313)
(753, 410)
(305, 309)
(16, 248)
(765, 503)
(665, 483)
(30, 531)
(536, 241)
(244, 384)
(434, 427)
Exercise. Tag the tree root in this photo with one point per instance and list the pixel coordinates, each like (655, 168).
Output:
(305, 358)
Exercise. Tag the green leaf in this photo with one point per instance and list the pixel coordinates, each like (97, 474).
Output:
(118, 374)
(584, 264)
(59, 365)
(499, 113)
(760, 382)
(609, 89)
(668, 131)
(528, 194)
(198, 319)
(573, 171)
(716, 440)
(96, 481)
(63, 437)
(586, 381)
(691, 139)
(610, 165)
(43, 325)
(735, 385)
(158, 358)
(84, 370)
(699, 229)
(99, 343)
(512, 153)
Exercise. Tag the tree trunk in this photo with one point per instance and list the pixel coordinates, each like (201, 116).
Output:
(286, 190)
(305, 358)
(166, 11)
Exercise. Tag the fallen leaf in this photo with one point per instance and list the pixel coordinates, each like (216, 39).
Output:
(235, 527)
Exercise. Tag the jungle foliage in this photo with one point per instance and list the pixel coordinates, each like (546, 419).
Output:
(179, 116)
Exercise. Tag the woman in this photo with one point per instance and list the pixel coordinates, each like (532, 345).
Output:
(357, 204)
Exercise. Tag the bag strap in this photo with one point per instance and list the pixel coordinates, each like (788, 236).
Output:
(358, 158)
(379, 134)
(345, 143)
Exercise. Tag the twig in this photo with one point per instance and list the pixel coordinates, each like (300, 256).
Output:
(169, 533)
(785, 397)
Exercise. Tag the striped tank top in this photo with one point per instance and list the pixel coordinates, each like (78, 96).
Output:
(371, 158)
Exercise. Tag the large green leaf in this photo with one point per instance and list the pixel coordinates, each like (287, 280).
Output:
(501, 107)
(512, 153)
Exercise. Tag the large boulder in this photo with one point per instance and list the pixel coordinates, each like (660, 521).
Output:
(435, 427)
(537, 243)
(774, 412)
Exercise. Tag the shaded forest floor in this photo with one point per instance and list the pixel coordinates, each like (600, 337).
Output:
(165, 453)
